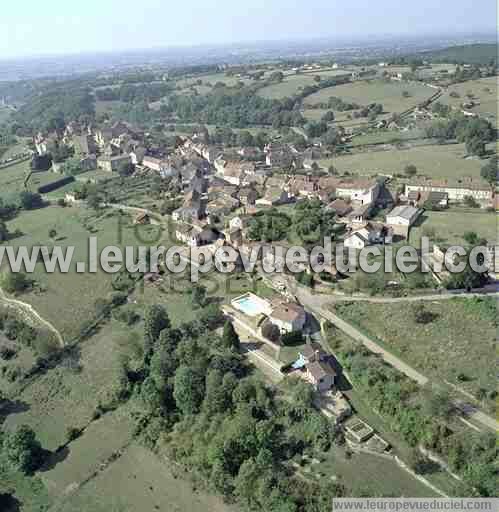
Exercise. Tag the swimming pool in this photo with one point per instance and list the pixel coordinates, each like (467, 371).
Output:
(251, 305)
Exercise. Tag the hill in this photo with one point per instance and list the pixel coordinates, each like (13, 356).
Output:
(480, 54)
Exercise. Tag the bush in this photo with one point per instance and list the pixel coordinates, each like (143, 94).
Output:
(292, 339)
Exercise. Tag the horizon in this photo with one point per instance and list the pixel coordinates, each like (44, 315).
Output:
(109, 29)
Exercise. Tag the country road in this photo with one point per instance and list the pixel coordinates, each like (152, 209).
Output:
(317, 305)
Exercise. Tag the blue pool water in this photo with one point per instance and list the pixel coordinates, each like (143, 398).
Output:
(249, 307)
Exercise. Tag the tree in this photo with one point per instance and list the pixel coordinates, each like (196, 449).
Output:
(188, 389)
(155, 320)
(439, 404)
(406, 94)
(489, 171)
(14, 282)
(52, 233)
(475, 146)
(30, 200)
(277, 76)
(317, 79)
(230, 337)
(410, 170)
(328, 116)
(471, 237)
(271, 332)
(198, 295)
(4, 232)
(93, 200)
(422, 315)
(22, 449)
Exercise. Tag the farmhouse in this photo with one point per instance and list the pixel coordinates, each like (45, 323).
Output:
(401, 218)
(456, 190)
(340, 207)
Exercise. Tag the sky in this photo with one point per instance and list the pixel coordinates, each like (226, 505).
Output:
(32, 27)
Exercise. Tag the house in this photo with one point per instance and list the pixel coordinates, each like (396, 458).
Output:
(248, 196)
(201, 237)
(303, 186)
(313, 352)
(142, 219)
(222, 205)
(152, 163)
(283, 156)
(112, 163)
(434, 198)
(361, 214)
(88, 163)
(339, 207)
(356, 240)
(137, 155)
(185, 232)
(193, 208)
(456, 190)
(369, 234)
(321, 375)
(401, 218)
(84, 145)
(288, 316)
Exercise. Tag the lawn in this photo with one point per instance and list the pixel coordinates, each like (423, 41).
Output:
(458, 344)
(389, 94)
(483, 91)
(449, 226)
(290, 86)
(435, 161)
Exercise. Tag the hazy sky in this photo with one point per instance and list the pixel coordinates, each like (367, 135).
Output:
(55, 26)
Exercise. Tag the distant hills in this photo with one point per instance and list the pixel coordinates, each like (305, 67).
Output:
(479, 54)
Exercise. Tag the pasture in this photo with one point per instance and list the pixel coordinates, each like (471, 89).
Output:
(457, 345)
(290, 86)
(436, 161)
(140, 480)
(449, 226)
(483, 91)
(67, 299)
(388, 93)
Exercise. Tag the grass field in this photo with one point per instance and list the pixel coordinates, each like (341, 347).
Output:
(433, 161)
(12, 178)
(389, 94)
(450, 226)
(459, 340)
(483, 91)
(144, 482)
(290, 86)
(68, 299)
(72, 396)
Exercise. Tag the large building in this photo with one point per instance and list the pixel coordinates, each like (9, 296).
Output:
(457, 190)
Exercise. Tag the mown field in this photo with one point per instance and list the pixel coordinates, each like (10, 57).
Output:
(389, 94)
(449, 226)
(458, 345)
(433, 161)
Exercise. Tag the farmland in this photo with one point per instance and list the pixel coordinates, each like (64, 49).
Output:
(389, 94)
(432, 161)
(447, 348)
